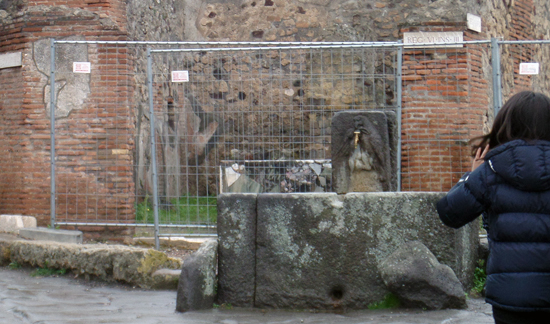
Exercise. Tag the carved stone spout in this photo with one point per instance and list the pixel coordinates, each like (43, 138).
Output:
(362, 147)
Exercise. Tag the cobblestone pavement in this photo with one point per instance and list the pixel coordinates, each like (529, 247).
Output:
(60, 300)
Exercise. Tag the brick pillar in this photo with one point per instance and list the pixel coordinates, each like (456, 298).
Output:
(103, 123)
(445, 102)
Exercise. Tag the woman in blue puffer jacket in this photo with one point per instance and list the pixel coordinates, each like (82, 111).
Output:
(510, 185)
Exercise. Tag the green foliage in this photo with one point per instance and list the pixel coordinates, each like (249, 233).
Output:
(47, 272)
(222, 306)
(188, 209)
(480, 277)
(389, 301)
(14, 265)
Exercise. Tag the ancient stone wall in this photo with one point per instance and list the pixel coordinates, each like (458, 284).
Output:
(321, 20)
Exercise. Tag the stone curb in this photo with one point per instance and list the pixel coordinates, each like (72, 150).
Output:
(48, 234)
(132, 265)
(187, 244)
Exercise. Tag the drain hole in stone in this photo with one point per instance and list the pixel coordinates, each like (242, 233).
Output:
(337, 293)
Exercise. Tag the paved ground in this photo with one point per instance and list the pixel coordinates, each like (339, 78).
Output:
(51, 300)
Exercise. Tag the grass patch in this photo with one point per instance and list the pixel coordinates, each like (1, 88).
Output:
(389, 301)
(480, 277)
(185, 210)
(14, 265)
(48, 272)
(223, 306)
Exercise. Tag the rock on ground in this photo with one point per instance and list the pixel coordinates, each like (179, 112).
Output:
(197, 284)
(413, 273)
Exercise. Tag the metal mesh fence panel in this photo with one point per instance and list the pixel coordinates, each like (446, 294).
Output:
(95, 127)
(523, 67)
(256, 119)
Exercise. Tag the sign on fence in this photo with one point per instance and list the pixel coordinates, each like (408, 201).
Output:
(180, 76)
(529, 68)
(82, 67)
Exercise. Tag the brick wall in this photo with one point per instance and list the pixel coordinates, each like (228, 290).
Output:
(23, 169)
(445, 100)
(95, 143)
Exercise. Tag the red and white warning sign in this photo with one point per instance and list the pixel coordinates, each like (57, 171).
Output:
(82, 67)
(180, 76)
(528, 68)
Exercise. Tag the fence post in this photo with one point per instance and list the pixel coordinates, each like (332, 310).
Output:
(153, 146)
(52, 132)
(497, 85)
(399, 111)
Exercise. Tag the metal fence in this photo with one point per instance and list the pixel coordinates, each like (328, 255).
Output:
(253, 117)
(522, 67)
(256, 119)
(246, 118)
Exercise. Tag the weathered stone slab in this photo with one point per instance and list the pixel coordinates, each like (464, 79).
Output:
(413, 273)
(47, 234)
(237, 249)
(197, 284)
(324, 250)
(111, 262)
(13, 223)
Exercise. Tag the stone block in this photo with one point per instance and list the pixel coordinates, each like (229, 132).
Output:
(324, 250)
(13, 223)
(197, 284)
(55, 235)
(237, 249)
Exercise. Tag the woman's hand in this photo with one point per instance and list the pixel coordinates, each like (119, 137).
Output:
(479, 158)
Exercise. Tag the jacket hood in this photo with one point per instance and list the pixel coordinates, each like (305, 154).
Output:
(524, 165)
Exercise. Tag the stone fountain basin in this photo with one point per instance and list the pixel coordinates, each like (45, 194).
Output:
(323, 250)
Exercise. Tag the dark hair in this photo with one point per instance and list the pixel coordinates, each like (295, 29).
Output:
(526, 115)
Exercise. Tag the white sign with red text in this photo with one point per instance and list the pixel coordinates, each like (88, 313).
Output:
(529, 68)
(180, 76)
(82, 67)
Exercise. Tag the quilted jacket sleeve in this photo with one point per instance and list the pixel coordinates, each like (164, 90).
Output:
(465, 201)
